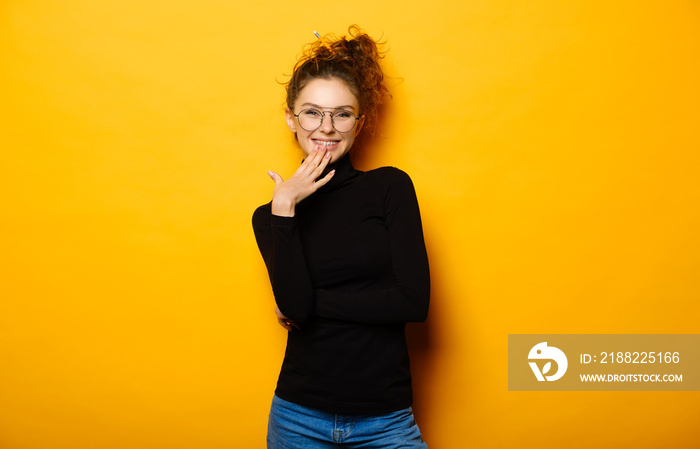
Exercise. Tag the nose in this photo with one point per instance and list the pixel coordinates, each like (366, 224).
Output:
(326, 123)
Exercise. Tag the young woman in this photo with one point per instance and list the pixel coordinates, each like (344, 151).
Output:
(346, 258)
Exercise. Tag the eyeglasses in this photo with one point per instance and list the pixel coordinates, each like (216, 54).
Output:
(311, 119)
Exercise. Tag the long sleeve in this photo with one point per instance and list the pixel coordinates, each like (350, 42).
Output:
(407, 297)
(280, 245)
(351, 268)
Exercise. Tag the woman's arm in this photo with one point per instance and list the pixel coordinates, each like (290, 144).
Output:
(408, 298)
(278, 237)
(280, 245)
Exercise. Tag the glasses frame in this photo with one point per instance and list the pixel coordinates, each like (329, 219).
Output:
(323, 114)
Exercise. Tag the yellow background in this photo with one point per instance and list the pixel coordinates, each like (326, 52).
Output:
(554, 146)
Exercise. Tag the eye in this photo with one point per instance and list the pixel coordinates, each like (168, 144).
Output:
(343, 115)
(311, 112)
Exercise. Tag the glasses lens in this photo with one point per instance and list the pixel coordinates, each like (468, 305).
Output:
(311, 119)
(343, 121)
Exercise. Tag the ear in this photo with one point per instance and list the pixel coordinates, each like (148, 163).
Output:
(289, 116)
(359, 125)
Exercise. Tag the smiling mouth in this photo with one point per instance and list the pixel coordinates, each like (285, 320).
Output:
(326, 143)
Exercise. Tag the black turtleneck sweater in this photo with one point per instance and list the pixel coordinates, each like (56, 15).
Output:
(351, 269)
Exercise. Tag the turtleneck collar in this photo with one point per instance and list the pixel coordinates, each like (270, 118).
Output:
(344, 173)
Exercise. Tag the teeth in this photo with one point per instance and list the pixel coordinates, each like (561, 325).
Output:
(325, 143)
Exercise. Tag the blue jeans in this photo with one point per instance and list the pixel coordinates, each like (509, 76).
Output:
(292, 426)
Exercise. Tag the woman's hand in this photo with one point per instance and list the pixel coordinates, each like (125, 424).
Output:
(289, 193)
(284, 321)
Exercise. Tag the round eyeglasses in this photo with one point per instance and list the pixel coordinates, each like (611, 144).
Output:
(311, 119)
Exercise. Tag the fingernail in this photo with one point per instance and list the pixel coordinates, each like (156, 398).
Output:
(327, 155)
(332, 172)
(270, 174)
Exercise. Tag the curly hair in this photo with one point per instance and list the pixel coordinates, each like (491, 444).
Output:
(354, 60)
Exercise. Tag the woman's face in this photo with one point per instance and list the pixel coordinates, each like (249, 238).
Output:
(332, 95)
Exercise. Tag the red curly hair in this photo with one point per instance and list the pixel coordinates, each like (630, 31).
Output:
(354, 60)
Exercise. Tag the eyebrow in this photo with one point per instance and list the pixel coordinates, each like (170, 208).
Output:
(345, 106)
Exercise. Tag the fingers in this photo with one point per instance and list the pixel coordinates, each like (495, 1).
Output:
(304, 182)
(285, 322)
(316, 161)
(311, 158)
(321, 182)
(275, 177)
(324, 161)
(288, 324)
